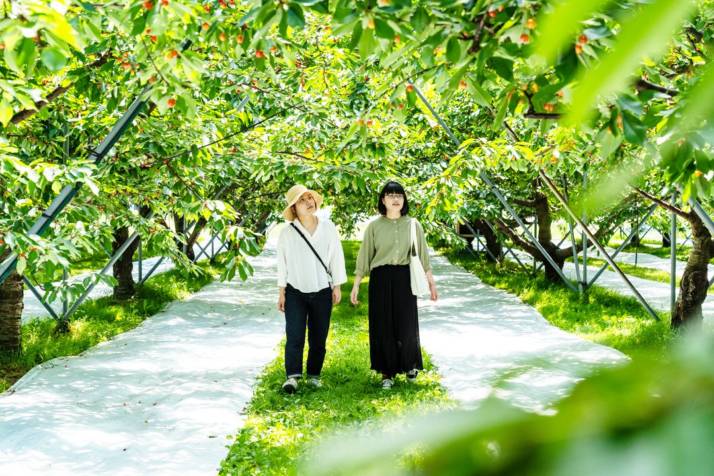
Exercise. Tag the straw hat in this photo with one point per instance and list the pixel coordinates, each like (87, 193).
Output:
(294, 195)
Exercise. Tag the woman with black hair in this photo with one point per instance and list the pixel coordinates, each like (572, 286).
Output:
(384, 254)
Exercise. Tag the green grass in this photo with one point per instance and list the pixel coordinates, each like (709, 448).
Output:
(98, 320)
(603, 316)
(639, 271)
(280, 428)
(659, 251)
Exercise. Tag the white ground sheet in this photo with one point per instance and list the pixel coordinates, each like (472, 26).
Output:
(159, 399)
(488, 342)
(657, 294)
(34, 309)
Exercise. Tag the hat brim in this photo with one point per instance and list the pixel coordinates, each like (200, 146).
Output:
(288, 211)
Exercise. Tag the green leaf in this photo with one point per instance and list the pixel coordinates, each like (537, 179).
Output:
(559, 26)
(635, 131)
(645, 33)
(453, 50)
(53, 58)
(296, 17)
(480, 95)
(420, 19)
(501, 114)
(356, 34)
(367, 43)
(21, 265)
(383, 29)
(26, 53)
(502, 66)
(6, 112)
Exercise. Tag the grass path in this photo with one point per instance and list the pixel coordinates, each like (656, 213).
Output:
(281, 428)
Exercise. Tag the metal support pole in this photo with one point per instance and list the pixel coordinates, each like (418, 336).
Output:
(571, 233)
(501, 198)
(575, 256)
(153, 268)
(468, 225)
(203, 250)
(117, 255)
(40, 298)
(622, 246)
(560, 243)
(141, 260)
(583, 237)
(673, 256)
(64, 296)
(589, 235)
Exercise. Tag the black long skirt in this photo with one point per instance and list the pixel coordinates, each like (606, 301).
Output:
(393, 322)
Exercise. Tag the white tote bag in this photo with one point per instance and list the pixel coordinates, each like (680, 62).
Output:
(420, 286)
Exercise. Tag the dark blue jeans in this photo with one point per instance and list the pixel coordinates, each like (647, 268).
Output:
(311, 310)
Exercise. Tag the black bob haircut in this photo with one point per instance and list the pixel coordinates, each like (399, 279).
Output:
(392, 187)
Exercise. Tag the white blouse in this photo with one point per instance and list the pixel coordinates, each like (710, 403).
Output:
(299, 266)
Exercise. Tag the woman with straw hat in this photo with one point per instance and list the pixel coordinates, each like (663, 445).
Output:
(311, 268)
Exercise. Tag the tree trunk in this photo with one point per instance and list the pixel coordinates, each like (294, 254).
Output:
(123, 268)
(666, 240)
(545, 238)
(695, 282)
(180, 224)
(11, 306)
(635, 241)
(492, 242)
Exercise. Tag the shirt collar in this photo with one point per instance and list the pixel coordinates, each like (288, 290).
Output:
(302, 228)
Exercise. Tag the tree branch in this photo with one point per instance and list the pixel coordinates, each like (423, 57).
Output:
(663, 204)
(20, 116)
(531, 114)
(643, 84)
(523, 244)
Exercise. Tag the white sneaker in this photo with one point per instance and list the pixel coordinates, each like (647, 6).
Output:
(387, 384)
(290, 385)
(412, 375)
(315, 382)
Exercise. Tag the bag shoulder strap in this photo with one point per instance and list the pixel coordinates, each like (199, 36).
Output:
(415, 245)
(313, 250)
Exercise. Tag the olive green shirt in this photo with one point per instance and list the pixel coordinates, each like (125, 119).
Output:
(386, 242)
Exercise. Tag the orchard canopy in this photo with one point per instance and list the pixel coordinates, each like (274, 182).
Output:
(610, 101)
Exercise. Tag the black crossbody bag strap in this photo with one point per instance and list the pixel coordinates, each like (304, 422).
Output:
(313, 250)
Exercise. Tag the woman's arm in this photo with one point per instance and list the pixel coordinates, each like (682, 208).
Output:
(282, 273)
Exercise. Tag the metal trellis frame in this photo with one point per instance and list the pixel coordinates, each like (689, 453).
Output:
(501, 198)
(592, 238)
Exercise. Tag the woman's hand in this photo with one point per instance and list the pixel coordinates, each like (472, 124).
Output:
(434, 293)
(336, 295)
(281, 300)
(353, 295)
(355, 291)
(432, 286)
